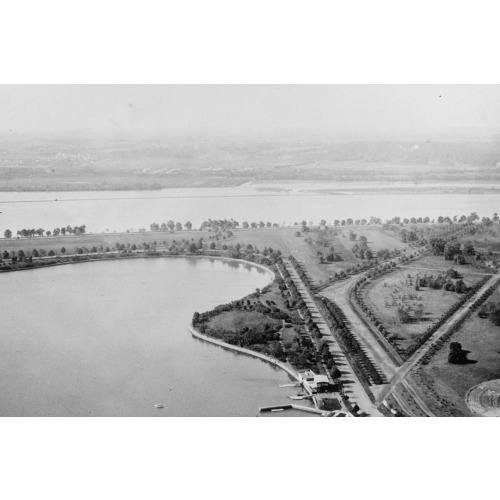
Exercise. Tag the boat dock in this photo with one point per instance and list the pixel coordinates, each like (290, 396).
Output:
(294, 407)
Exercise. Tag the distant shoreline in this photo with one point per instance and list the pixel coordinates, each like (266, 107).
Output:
(291, 187)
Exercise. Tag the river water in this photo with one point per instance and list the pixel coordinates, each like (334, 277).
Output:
(281, 203)
(111, 339)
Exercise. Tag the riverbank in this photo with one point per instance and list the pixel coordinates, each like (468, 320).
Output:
(254, 354)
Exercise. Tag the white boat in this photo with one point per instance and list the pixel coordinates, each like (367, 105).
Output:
(159, 406)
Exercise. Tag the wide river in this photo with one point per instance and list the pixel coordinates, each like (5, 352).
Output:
(275, 202)
(111, 339)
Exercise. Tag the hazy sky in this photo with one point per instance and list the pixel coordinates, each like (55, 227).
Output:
(274, 110)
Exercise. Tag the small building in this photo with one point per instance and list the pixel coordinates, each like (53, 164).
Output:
(317, 383)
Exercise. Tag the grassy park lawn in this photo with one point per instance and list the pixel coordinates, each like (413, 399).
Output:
(377, 239)
(283, 239)
(250, 316)
(488, 238)
(451, 382)
(273, 298)
(236, 320)
(432, 264)
(388, 293)
(290, 335)
(90, 240)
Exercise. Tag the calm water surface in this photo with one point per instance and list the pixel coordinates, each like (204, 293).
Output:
(111, 339)
(281, 203)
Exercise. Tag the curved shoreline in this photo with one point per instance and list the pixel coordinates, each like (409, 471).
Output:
(194, 331)
(66, 260)
(254, 354)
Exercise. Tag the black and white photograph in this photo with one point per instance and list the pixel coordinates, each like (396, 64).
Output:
(216, 216)
(270, 250)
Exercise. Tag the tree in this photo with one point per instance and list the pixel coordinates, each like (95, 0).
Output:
(495, 315)
(178, 226)
(469, 248)
(437, 245)
(457, 355)
(63, 250)
(451, 249)
(171, 225)
(188, 225)
(212, 245)
(460, 287)
(192, 248)
(51, 253)
(7, 233)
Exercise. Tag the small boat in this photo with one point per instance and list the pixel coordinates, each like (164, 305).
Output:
(159, 406)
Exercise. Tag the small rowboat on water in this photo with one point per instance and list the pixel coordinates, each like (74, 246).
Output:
(159, 406)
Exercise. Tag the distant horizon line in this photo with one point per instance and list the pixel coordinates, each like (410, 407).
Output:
(456, 133)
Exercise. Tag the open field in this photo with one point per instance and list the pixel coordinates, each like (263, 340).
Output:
(451, 382)
(431, 264)
(236, 320)
(407, 312)
(377, 239)
(89, 240)
(486, 239)
(278, 239)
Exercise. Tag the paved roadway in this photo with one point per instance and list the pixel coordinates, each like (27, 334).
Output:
(354, 388)
(399, 383)
(417, 356)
